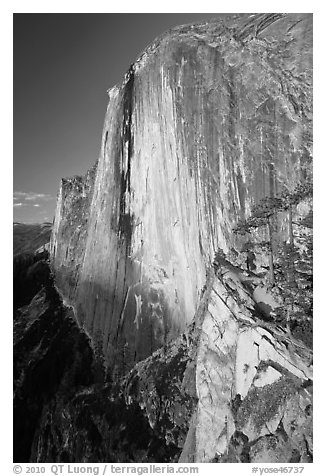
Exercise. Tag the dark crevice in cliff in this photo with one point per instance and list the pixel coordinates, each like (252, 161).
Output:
(30, 272)
(126, 220)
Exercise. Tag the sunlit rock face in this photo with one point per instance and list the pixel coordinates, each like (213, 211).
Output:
(209, 120)
(70, 229)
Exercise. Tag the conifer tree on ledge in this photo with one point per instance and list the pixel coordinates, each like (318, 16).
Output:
(290, 264)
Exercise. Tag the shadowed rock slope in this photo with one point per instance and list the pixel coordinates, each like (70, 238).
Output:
(29, 238)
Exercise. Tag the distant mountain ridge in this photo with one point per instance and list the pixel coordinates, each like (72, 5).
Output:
(30, 237)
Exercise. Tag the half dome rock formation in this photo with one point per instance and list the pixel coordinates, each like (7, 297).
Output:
(209, 120)
(187, 248)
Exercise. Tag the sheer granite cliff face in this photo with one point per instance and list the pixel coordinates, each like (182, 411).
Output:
(209, 120)
(231, 388)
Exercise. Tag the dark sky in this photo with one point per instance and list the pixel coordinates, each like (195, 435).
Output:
(63, 65)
